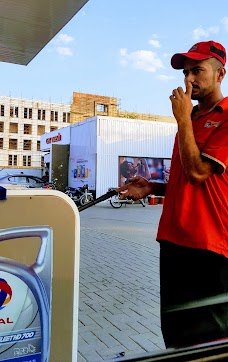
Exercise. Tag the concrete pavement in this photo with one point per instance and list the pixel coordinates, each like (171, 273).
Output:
(119, 282)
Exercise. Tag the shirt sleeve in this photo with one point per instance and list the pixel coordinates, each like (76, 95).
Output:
(216, 147)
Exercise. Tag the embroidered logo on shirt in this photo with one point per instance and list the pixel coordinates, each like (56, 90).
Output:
(210, 124)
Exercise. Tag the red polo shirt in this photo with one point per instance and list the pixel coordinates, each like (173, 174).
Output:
(197, 216)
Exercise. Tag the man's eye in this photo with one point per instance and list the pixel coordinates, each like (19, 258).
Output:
(195, 71)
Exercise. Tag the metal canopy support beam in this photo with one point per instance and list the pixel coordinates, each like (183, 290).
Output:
(26, 26)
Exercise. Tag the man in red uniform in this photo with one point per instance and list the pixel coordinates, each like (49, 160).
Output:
(193, 232)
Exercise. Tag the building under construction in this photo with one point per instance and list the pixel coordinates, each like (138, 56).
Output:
(85, 106)
(22, 122)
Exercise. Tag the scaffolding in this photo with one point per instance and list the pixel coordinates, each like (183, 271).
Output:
(86, 106)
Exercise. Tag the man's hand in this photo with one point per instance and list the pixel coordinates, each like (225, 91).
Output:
(138, 188)
(182, 104)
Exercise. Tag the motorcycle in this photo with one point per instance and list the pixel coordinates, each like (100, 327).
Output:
(51, 185)
(116, 202)
(80, 195)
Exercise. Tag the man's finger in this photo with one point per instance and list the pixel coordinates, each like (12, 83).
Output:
(123, 195)
(188, 88)
(180, 90)
(122, 188)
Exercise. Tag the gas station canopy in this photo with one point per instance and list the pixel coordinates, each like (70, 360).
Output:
(26, 26)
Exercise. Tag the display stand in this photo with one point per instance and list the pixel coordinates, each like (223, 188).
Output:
(39, 252)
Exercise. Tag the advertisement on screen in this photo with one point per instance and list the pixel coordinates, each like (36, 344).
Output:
(156, 169)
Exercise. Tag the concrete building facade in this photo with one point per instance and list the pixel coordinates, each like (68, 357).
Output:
(22, 122)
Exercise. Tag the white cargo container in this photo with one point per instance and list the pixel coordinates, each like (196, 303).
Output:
(100, 144)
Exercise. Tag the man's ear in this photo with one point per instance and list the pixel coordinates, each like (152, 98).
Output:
(221, 74)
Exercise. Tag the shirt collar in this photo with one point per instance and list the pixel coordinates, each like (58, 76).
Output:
(220, 107)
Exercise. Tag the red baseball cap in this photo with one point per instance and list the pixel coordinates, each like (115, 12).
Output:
(200, 51)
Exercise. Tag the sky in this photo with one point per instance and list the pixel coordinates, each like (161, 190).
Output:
(122, 49)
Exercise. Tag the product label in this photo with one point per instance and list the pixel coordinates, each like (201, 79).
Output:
(33, 358)
(20, 330)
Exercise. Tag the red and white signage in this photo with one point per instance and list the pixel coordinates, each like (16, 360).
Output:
(60, 136)
(54, 138)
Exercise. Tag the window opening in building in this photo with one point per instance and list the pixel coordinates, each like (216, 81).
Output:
(27, 145)
(42, 161)
(1, 126)
(28, 113)
(38, 146)
(43, 115)
(13, 144)
(2, 110)
(54, 116)
(27, 129)
(25, 112)
(13, 111)
(66, 117)
(53, 128)
(13, 127)
(1, 143)
(27, 160)
(12, 160)
(40, 130)
(102, 108)
(15, 160)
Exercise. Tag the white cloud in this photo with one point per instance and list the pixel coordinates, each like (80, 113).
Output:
(64, 51)
(165, 78)
(224, 21)
(64, 39)
(154, 43)
(201, 32)
(123, 52)
(141, 59)
(167, 55)
(61, 45)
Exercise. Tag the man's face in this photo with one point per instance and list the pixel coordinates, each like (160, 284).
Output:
(131, 168)
(202, 76)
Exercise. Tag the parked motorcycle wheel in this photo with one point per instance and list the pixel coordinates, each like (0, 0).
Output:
(115, 202)
(85, 199)
(142, 202)
(69, 193)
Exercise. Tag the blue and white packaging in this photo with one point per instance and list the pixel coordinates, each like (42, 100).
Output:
(25, 299)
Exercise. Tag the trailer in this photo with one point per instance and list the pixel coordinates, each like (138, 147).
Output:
(101, 146)
(99, 150)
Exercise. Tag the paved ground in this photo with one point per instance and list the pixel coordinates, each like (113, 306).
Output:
(119, 282)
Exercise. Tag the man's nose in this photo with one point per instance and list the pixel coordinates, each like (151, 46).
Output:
(190, 77)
